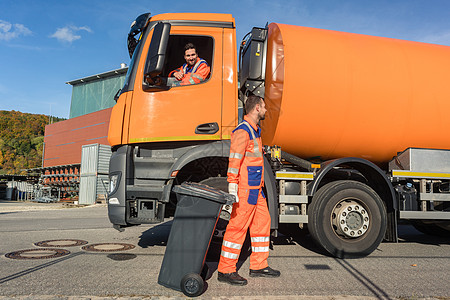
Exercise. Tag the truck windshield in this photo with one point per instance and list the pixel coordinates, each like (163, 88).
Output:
(131, 67)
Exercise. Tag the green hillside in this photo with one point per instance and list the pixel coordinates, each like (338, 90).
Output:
(21, 141)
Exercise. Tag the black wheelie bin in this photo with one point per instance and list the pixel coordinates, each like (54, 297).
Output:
(195, 219)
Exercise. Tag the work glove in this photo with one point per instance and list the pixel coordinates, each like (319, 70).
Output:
(233, 190)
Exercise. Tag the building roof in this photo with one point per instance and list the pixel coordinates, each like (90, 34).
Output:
(99, 76)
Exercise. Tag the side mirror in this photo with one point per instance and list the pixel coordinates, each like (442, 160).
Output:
(157, 53)
(136, 27)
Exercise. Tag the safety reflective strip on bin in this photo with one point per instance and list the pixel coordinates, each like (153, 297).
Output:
(231, 245)
(233, 171)
(260, 239)
(236, 155)
(260, 249)
(229, 255)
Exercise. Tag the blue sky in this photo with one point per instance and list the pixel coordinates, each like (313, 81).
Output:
(45, 43)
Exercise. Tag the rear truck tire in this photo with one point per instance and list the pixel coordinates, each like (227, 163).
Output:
(192, 285)
(347, 218)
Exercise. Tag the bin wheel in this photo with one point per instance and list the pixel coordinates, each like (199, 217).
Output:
(192, 285)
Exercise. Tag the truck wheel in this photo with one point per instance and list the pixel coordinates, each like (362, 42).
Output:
(192, 285)
(347, 218)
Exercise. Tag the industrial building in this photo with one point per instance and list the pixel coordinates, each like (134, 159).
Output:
(76, 151)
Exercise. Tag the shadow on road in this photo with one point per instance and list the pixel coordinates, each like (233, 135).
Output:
(408, 234)
(156, 236)
(37, 268)
(8, 212)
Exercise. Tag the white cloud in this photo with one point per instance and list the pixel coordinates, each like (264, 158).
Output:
(69, 33)
(10, 31)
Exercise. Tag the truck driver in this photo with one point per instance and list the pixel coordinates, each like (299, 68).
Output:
(194, 71)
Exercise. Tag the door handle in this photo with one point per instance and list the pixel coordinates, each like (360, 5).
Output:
(207, 128)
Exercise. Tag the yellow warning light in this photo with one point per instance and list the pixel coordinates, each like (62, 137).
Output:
(275, 152)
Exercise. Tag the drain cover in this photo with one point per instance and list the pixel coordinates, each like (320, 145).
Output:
(121, 256)
(37, 253)
(108, 247)
(61, 243)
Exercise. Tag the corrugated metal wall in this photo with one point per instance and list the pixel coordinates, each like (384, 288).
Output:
(63, 140)
(94, 173)
(95, 95)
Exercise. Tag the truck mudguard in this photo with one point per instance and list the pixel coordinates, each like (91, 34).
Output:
(376, 179)
(222, 149)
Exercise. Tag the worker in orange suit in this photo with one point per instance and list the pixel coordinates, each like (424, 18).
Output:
(245, 182)
(194, 71)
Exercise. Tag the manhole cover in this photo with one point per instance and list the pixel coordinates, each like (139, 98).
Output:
(61, 243)
(37, 253)
(108, 247)
(121, 256)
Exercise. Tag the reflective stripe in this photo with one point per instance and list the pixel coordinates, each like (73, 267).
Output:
(231, 245)
(191, 81)
(229, 255)
(250, 154)
(198, 77)
(233, 171)
(256, 151)
(236, 155)
(194, 69)
(260, 249)
(260, 239)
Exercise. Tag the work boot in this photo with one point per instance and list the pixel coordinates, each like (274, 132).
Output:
(266, 272)
(232, 278)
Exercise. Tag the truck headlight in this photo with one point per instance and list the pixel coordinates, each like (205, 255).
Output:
(114, 179)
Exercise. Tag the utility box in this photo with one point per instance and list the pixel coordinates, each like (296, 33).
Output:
(422, 160)
(94, 172)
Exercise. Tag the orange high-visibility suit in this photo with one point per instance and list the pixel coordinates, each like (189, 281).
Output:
(192, 75)
(246, 168)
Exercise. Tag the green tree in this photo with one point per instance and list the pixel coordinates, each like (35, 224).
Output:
(21, 140)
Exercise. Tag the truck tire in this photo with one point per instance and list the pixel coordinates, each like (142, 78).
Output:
(347, 218)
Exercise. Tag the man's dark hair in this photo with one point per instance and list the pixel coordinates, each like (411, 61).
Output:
(251, 102)
(190, 46)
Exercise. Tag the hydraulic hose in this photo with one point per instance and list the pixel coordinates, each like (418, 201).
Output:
(297, 161)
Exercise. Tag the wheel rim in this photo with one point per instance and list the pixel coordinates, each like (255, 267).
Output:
(191, 286)
(350, 219)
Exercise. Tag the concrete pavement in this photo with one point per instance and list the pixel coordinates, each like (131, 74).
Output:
(98, 276)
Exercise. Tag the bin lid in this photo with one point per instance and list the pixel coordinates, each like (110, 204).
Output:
(204, 191)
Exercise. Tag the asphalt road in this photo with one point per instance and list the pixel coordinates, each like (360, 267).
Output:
(416, 267)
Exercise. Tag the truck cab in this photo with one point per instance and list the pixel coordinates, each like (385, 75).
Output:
(163, 134)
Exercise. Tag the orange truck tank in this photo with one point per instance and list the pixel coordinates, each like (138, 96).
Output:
(335, 94)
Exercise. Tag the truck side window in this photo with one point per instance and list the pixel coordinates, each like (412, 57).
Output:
(175, 57)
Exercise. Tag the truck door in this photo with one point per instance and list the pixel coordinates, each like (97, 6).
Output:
(180, 113)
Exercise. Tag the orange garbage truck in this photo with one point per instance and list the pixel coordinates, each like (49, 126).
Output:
(355, 132)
